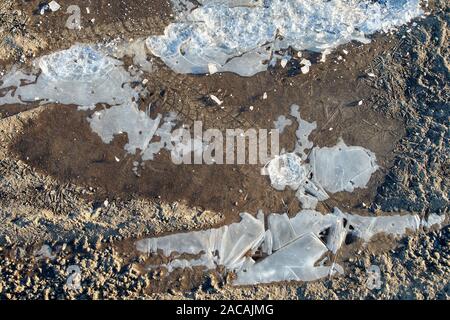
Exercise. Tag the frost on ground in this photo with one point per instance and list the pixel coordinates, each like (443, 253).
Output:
(243, 36)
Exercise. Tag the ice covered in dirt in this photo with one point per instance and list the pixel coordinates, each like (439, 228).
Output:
(242, 36)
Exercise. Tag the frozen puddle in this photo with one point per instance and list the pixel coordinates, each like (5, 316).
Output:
(242, 36)
(294, 248)
(342, 168)
(86, 76)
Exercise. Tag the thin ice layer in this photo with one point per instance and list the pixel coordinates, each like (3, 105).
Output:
(433, 220)
(367, 227)
(342, 168)
(303, 132)
(86, 75)
(294, 246)
(281, 230)
(138, 125)
(82, 75)
(241, 36)
(295, 262)
(226, 246)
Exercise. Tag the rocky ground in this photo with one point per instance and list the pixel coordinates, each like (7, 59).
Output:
(60, 210)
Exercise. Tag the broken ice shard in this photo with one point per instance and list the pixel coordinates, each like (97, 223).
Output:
(303, 132)
(225, 246)
(87, 75)
(293, 246)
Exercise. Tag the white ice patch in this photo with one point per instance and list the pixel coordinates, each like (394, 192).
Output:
(303, 132)
(137, 50)
(282, 123)
(433, 220)
(324, 170)
(82, 75)
(295, 262)
(241, 36)
(87, 75)
(286, 170)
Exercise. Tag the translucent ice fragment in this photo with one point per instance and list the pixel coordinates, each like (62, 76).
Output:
(310, 221)
(307, 201)
(281, 230)
(342, 168)
(433, 220)
(294, 262)
(303, 132)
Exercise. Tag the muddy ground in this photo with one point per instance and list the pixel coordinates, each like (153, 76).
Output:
(61, 186)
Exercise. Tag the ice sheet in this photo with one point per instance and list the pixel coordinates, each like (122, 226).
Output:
(241, 36)
(82, 75)
(294, 246)
(281, 230)
(281, 123)
(228, 245)
(342, 168)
